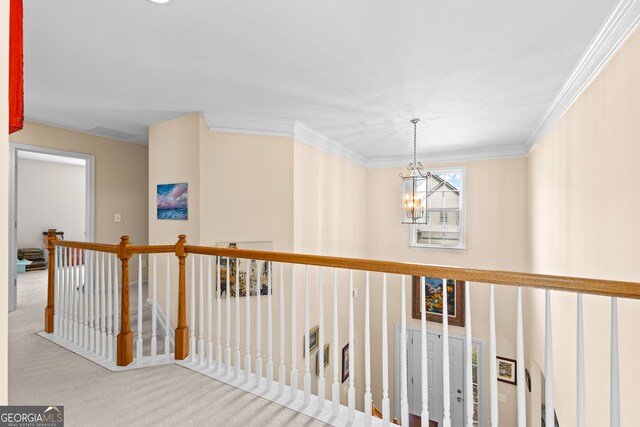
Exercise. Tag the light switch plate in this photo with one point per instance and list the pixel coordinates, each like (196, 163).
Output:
(144, 263)
(117, 218)
(502, 398)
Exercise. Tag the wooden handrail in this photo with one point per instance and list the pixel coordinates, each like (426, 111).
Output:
(561, 283)
(51, 240)
(158, 249)
(88, 246)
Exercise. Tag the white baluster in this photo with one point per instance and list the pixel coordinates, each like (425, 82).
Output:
(294, 342)
(69, 303)
(282, 367)
(580, 365)
(74, 294)
(351, 392)
(367, 355)
(227, 347)
(192, 335)
(446, 384)
(96, 302)
(404, 392)
(91, 290)
(335, 392)
(247, 352)
(56, 290)
(269, 331)
(307, 360)
(139, 342)
(258, 325)
(468, 365)
(424, 414)
(218, 319)
(615, 367)
(548, 364)
(103, 309)
(209, 309)
(116, 318)
(321, 383)
(167, 311)
(386, 410)
(109, 310)
(63, 303)
(81, 280)
(154, 308)
(237, 343)
(79, 292)
(201, 352)
(493, 374)
(522, 410)
(87, 298)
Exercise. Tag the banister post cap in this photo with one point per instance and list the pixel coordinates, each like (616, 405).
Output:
(125, 240)
(182, 238)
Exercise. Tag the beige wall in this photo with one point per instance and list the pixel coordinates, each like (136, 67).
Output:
(4, 194)
(329, 207)
(583, 220)
(58, 187)
(492, 241)
(121, 175)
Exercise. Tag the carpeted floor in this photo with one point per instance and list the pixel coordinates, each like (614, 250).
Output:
(42, 373)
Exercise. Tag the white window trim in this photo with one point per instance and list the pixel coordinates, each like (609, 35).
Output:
(463, 215)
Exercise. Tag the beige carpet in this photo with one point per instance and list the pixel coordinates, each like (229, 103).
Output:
(42, 373)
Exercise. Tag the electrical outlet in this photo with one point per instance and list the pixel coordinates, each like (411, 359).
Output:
(502, 398)
(144, 263)
(117, 218)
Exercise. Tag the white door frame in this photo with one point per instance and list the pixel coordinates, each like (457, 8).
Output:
(481, 369)
(13, 208)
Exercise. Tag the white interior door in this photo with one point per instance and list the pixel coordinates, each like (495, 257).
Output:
(434, 363)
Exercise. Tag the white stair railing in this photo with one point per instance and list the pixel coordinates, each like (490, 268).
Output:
(87, 308)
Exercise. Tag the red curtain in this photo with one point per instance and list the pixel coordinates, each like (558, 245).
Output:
(16, 80)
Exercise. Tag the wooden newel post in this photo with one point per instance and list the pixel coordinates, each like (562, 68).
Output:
(182, 331)
(49, 309)
(125, 337)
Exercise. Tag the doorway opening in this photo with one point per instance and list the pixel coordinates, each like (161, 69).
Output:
(456, 376)
(49, 189)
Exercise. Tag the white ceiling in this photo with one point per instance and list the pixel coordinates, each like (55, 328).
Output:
(480, 74)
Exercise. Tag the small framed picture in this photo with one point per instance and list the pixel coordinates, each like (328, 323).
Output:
(345, 363)
(507, 370)
(313, 341)
(325, 351)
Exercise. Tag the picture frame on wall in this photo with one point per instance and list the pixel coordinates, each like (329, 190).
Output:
(433, 300)
(258, 271)
(507, 370)
(345, 363)
(313, 341)
(326, 359)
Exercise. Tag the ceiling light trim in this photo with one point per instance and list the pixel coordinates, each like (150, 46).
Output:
(491, 153)
(617, 28)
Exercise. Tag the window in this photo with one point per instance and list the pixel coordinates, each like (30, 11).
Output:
(445, 211)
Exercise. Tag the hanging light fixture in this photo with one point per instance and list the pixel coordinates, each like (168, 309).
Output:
(414, 188)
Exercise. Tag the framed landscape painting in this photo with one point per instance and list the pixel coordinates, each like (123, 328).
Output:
(434, 303)
(258, 271)
(172, 201)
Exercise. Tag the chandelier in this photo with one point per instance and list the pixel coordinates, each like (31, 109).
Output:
(414, 188)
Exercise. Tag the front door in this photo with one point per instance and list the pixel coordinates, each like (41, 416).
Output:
(434, 363)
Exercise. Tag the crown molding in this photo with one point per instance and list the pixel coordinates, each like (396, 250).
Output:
(488, 153)
(255, 125)
(618, 26)
(236, 123)
(311, 137)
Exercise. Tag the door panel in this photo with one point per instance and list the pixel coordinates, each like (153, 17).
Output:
(434, 364)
